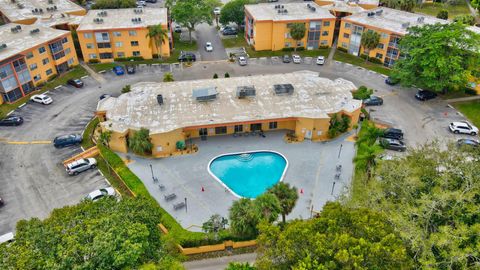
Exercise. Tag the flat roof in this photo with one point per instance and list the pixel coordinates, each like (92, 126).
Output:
(295, 11)
(122, 18)
(342, 6)
(313, 97)
(59, 19)
(23, 40)
(356, 2)
(392, 19)
(14, 13)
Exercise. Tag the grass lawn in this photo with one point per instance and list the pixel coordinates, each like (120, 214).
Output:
(433, 9)
(232, 42)
(471, 110)
(357, 61)
(76, 72)
(310, 53)
(178, 44)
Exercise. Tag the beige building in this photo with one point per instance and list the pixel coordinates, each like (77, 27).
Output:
(301, 103)
(121, 33)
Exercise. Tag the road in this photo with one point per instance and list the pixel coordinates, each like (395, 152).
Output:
(33, 181)
(208, 33)
(219, 263)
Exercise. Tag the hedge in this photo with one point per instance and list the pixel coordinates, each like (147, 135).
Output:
(184, 237)
(125, 59)
(342, 49)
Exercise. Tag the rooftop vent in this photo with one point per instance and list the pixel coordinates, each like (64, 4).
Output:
(16, 29)
(102, 14)
(379, 12)
(405, 25)
(420, 19)
(138, 10)
(160, 99)
(52, 8)
(245, 91)
(98, 20)
(20, 5)
(371, 14)
(137, 20)
(50, 2)
(3, 46)
(205, 94)
(13, 1)
(283, 89)
(35, 31)
(311, 7)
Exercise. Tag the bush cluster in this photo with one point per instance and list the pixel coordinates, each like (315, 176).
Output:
(342, 49)
(362, 93)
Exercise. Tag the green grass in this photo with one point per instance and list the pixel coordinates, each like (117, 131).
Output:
(76, 72)
(311, 53)
(232, 42)
(357, 61)
(471, 110)
(433, 9)
(88, 133)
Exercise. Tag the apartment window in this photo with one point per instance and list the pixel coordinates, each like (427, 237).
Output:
(344, 45)
(45, 61)
(119, 44)
(33, 66)
(117, 34)
(70, 61)
(238, 128)
(89, 45)
(221, 130)
(92, 56)
(288, 35)
(59, 55)
(67, 50)
(326, 23)
(29, 55)
(102, 37)
(5, 71)
(136, 53)
(324, 42)
(49, 71)
(120, 54)
(379, 56)
(41, 50)
(134, 43)
(299, 44)
(383, 35)
(132, 33)
(64, 40)
(104, 45)
(37, 78)
(325, 33)
(87, 35)
(106, 56)
(287, 45)
(380, 46)
(272, 125)
(345, 35)
(347, 25)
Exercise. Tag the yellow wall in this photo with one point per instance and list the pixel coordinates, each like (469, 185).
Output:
(269, 35)
(145, 46)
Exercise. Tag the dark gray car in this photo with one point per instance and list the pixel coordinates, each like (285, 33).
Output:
(393, 144)
(286, 58)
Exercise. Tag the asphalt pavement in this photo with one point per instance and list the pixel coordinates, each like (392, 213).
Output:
(209, 33)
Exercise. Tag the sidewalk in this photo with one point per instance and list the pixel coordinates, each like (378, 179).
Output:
(453, 100)
(220, 263)
(92, 73)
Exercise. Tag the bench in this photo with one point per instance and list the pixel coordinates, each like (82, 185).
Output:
(170, 197)
(178, 205)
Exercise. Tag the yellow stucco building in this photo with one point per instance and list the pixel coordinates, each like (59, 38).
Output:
(267, 25)
(300, 103)
(29, 56)
(105, 35)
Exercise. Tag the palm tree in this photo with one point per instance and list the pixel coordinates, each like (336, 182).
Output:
(140, 142)
(370, 133)
(369, 41)
(366, 156)
(105, 137)
(297, 32)
(287, 196)
(158, 35)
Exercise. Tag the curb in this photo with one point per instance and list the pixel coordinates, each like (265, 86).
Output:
(57, 87)
(21, 106)
(84, 77)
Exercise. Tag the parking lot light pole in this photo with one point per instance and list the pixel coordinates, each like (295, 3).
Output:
(185, 204)
(151, 169)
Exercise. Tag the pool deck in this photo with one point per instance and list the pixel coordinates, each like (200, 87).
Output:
(312, 169)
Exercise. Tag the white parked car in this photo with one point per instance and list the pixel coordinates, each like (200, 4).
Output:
(216, 11)
(208, 47)
(296, 59)
(320, 60)
(81, 165)
(100, 193)
(242, 61)
(42, 98)
(141, 3)
(463, 127)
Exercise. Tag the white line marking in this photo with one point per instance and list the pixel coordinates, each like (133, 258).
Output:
(10, 113)
(22, 105)
(84, 77)
(46, 92)
(102, 71)
(58, 87)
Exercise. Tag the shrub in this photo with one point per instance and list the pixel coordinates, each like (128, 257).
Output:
(375, 60)
(470, 91)
(93, 61)
(323, 47)
(126, 89)
(443, 14)
(227, 75)
(362, 93)
(342, 49)
(338, 125)
(301, 48)
(288, 49)
(168, 77)
(140, 142)
(363, 56)
(215, 76)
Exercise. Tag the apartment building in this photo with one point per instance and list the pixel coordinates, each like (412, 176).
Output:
(29, 56)
(391, 24)
(267, 25)
(300, 103)
(46, 12)
(105, 35)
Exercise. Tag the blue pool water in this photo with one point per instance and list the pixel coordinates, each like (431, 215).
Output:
(249, 174)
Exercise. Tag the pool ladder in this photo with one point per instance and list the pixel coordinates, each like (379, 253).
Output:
(245, 157)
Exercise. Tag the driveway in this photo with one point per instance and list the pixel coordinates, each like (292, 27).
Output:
(208, 33)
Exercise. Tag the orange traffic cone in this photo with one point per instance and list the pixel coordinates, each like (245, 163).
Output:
(301, 191)
(203, 190)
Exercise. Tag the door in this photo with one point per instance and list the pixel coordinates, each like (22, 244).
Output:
(255, 127)
(203, 132)
(308, 134)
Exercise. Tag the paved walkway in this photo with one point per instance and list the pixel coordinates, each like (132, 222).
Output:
(220, 263)
(472, 10)
(92, 73)
(453, 100)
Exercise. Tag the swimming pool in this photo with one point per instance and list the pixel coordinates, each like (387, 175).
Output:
(248, 174)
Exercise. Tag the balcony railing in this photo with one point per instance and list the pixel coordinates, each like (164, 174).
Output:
(393, 44)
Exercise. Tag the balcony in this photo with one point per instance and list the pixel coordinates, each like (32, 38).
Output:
(393, 45)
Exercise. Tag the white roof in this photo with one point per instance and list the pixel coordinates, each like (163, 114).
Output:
(14, 13)
(23, 40)
(393, 20)
(59, 19)
(355, 2)
(122, 18)
(295, 11)
(313, 97)
(342, 6)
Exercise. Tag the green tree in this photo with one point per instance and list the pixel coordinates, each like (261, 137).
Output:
(443, 14)
(114, 4)
(362, 93)
(105, 137)
(475, 4)
(369, 41)
(157, 35)
(240, 266)
(268, 207)
(127, 88)
(366, 156)
(214, 224)
(339, 123)
(215, 76)
(190, 13)
(227, 75)
(168, 77)
(244, 218)
(106, 234)
(297, 32)
(287, 196)
(466, 19)
(140, 142)
(438, 57)
(234, 12)
(370, 133)
(405, 5)
(339, 238)
(431, 197)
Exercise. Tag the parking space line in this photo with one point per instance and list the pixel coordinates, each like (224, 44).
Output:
(58, 87)
(84, 77)
(10, 113)
(22, 105)
(32, 142)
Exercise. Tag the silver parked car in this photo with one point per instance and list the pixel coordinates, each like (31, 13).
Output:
(81, 165)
